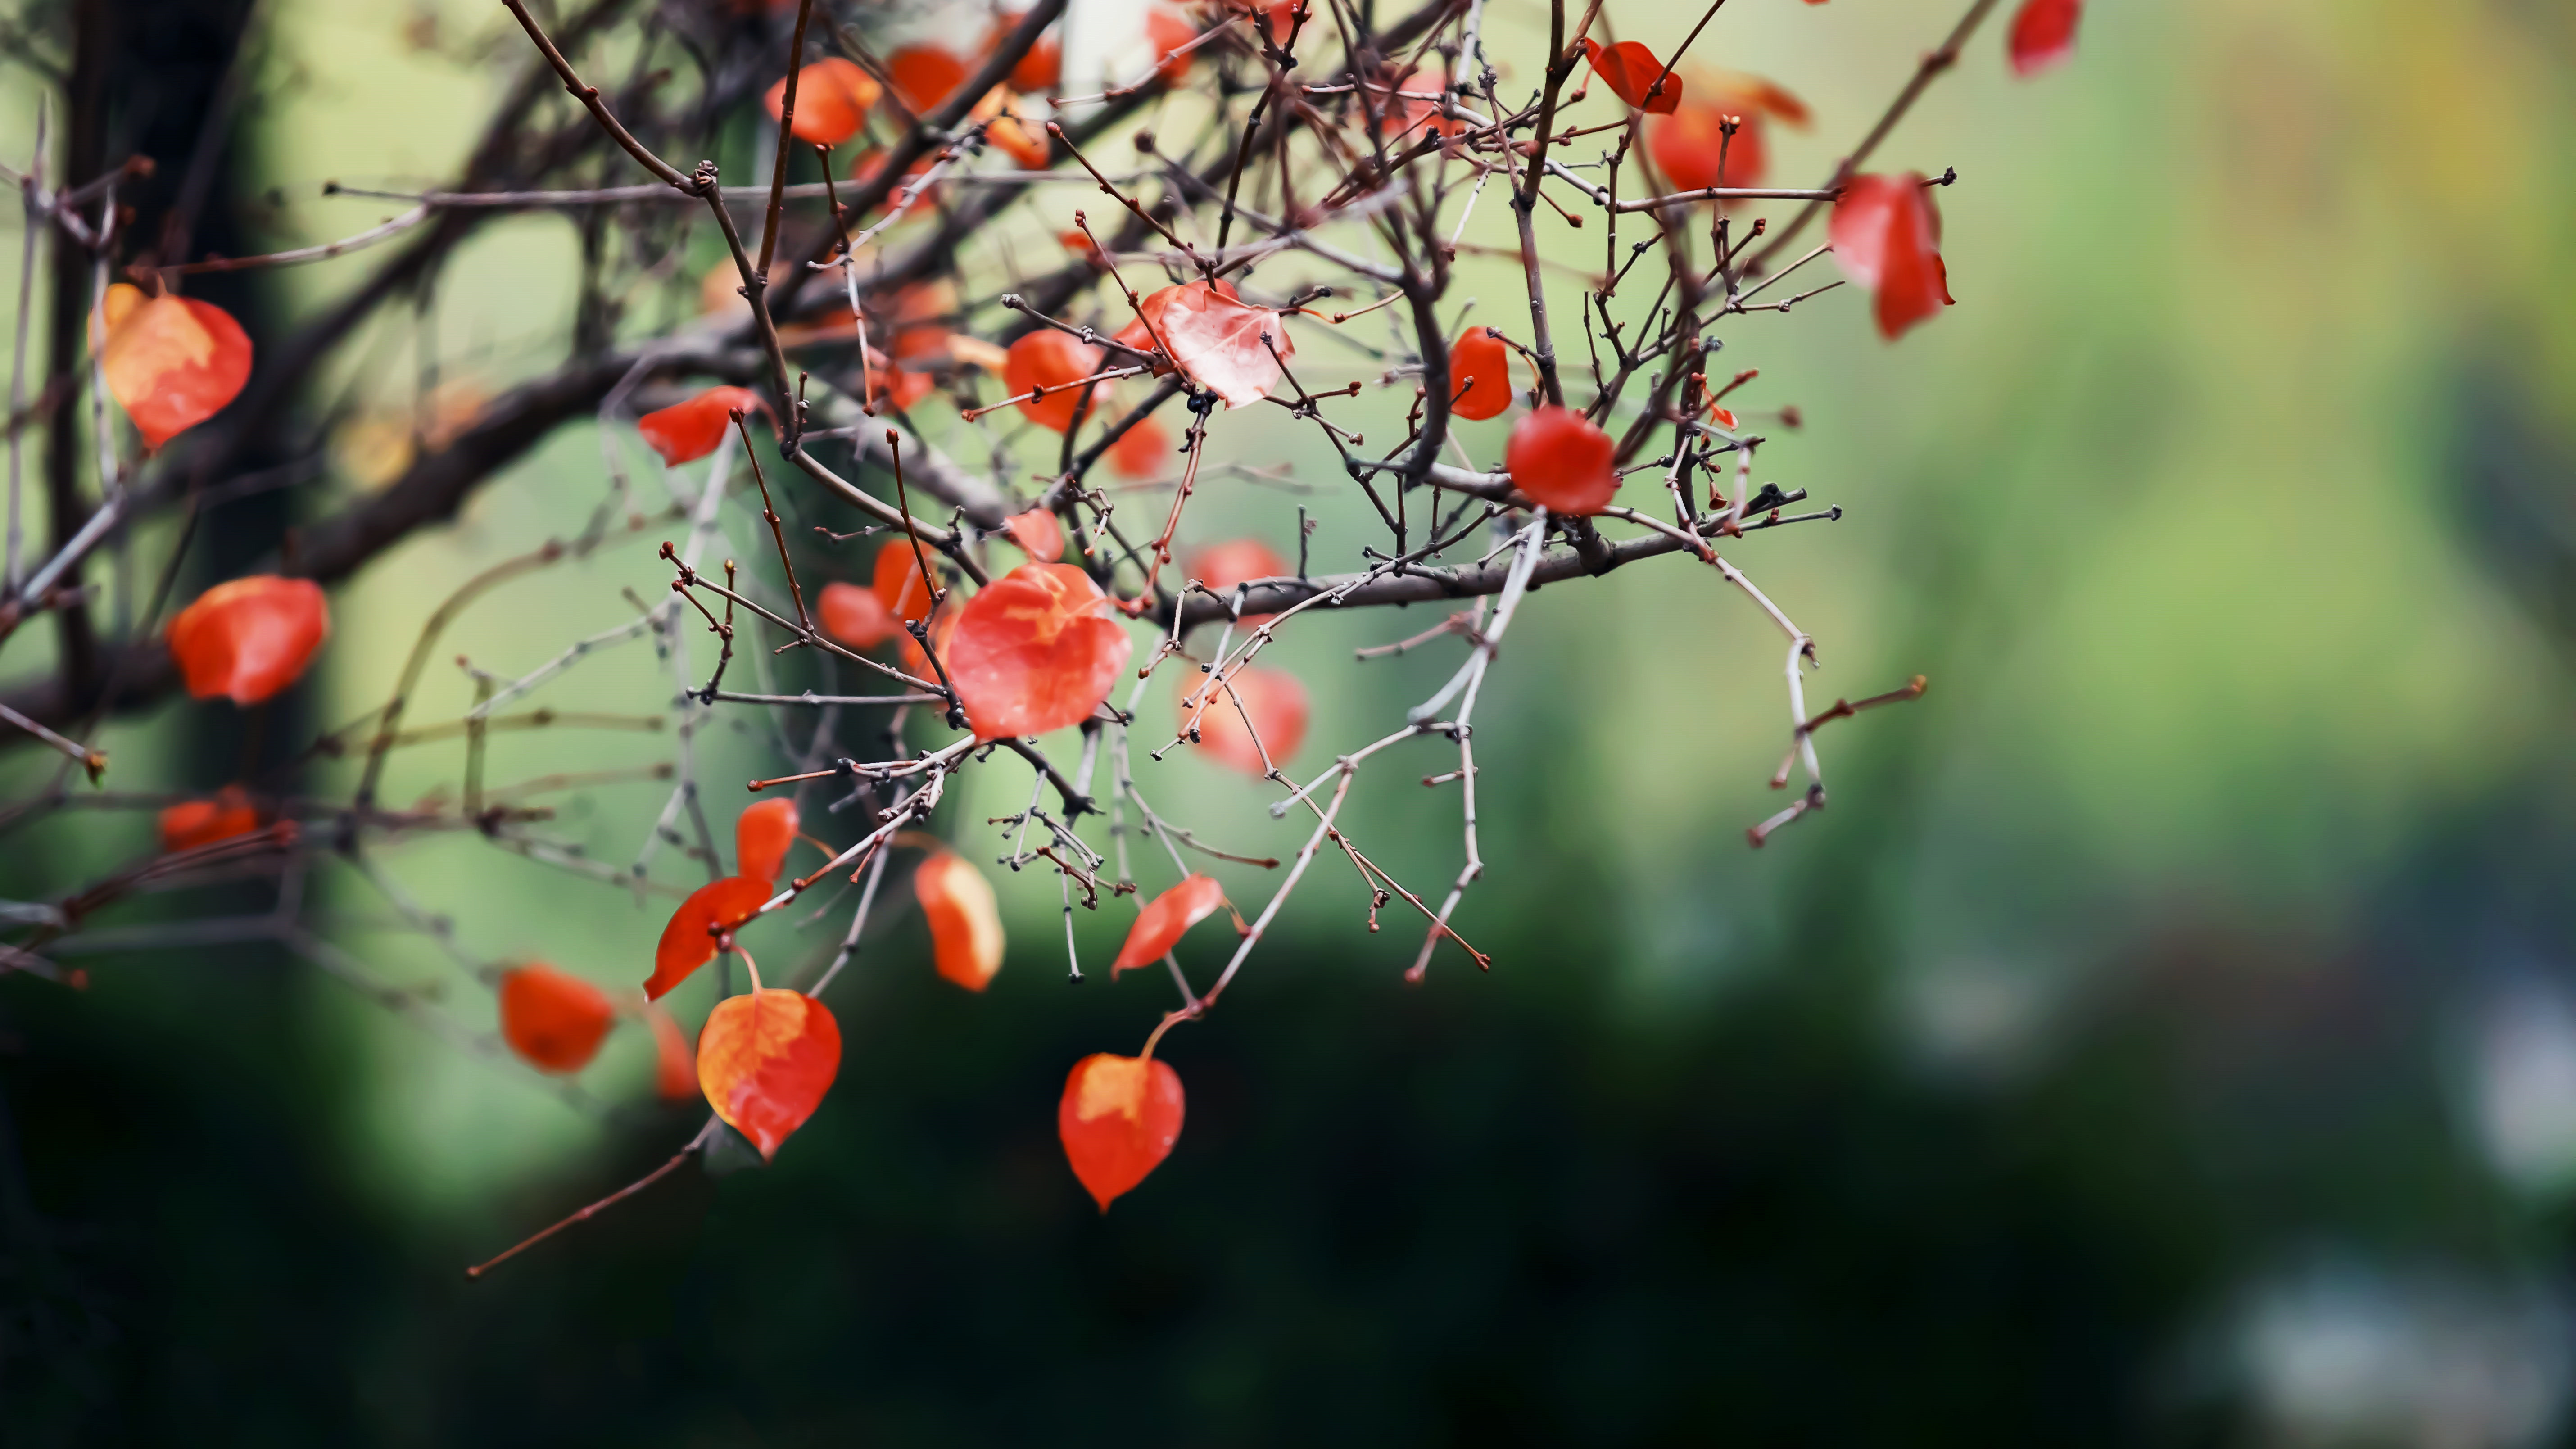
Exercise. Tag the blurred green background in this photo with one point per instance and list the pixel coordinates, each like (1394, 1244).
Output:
(2168, 1035)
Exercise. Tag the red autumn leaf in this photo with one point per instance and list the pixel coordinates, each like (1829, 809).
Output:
(1143, 451)
(1886, 235)
(765, 1060)
(1168, 30)
(856, 616)
(249, 638)
(1221, 566)
(687, 431)
(899, 582)
(1035, 651)
(761, 837)
(192, 823)
(872, 161)
(1274, 698)
(1424, 114)
(1559, 458)
(1021, 139)
(1632, 70)
(688, 939)
(675, 1066)
(1036, 71)
(965, 924)
(1722, 416)
(1038, 533)
(170, 362)
(1217, 340)
(833, 97)
(555, 1020)
(923, 76)
(1118, 1120)
(1480, 374)
(1048, 358)
(2043, 34)
(916, 663)
(1165, 919)
(1686, 145)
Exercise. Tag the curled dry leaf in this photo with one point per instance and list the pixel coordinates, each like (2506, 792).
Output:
(675, 1065)
(1886, 235)
(765, 1060)
(1038, 532)
(553, 1019)
(689, 938)
(761, 837)
(1277, 702)
(965, 923)
(170, 362)
(1047, 358)
(1160, 926)
(687, 431)
(1035, 651)
(1218, 340)
(1118, 1121)
(855, 616)
(1632, 71)
(1142, 451)
(2043, 34)
(1558, 457)
(249, 638)
(1480, 374)
(192, 823)
(833, 98)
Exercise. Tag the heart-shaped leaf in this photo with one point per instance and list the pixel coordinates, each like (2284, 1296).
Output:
(765, 1060)
(1035, 651)
(1118, 1120)
(1218, 340)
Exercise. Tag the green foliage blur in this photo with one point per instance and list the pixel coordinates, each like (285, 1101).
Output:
(2168, 1034)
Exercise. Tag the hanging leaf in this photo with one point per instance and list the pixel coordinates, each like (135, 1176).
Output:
(1274, 698)
(170, 362)
(675, 1066)
(249, 638)
(192, 823)
(924, 75)
(554, 1020)
(1035, 651)
(899, 582)
(1886, 235)
(1038, 532)
(1633, 72)
(1168, 30)
(1480, 374)
(943, 631)
(765, 1060)
(1218, 340)
(833, 98)
(965, 923)
(1558, 457)
(1686, 145)
(689, 938)
(1048, 358)
(1118, 1121)
(1143, 451)
(761, 837)
(687, 431)
(2043, 34)
(1041, 67)
(1164, 920)
(856, 616)
(1008, 127)
(1221, 566)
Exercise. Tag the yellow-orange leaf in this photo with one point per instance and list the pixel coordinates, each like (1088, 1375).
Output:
(1163, 921)
(1118, 1120)
(171, 362)
(965, 923)
(765, 1060)
(1035, 651)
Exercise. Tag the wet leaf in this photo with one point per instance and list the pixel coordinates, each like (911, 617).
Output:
(553, 1019)
(170, 362)
(1165, 919)
(1035, 651)
(689, 938)
(249, 638)
(965, 923)
(1118, 1121)
(1558, 457)
(765, 1060)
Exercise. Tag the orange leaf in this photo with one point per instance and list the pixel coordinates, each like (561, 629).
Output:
(1118, 1121)
(689, 939)
(1886, 234)
(249, 638)
(965, 925)
(765, 1060)
(1041, 67)
(687, 431)
(1169, 30)
(192, 823)
(1164, 920)
(1048, 358)
(171, 362)
(1274, 698)
(923, 76)
(1631, 69)
(1217, 340)
(1035, 651)
(899, 582)
(761, 837)
(1480, 375)
(856, 616)
(1142, 451)
(1221, 566)
(833, 97)
(1559, 458)
(1021, 139)
(675, 1066)
(1038, 532)
(1689, 145)
(555, 1020)
(2043, 34)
